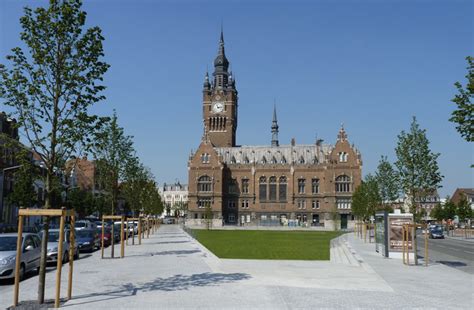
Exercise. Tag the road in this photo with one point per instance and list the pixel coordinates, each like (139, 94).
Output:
(455, 253)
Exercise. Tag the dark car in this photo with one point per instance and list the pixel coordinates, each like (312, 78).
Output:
(436, 232)
(107, 235)
(87, 240)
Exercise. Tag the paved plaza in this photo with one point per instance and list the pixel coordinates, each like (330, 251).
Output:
(170, 270)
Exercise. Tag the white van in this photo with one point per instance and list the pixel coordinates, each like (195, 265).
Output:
(85, 224)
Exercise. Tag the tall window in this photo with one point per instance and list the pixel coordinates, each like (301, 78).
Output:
(245, 186)
(204, 184)
(282, 189)
(315, 204)
(273, 188)
(343, 183)
(315, 186)
(245, 204)
(262, 188)
(343, 157)
(233, 186)
(301, 185)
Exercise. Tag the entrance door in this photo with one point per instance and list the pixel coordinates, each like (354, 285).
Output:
(343, 221)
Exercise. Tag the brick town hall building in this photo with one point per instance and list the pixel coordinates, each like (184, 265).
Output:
(265, 185)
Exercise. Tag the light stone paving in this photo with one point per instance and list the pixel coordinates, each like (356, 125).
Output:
(170, 270)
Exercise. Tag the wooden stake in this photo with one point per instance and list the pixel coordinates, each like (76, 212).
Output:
(426, 245)
(139, 231)
(19, 243)
(59, 265)
(102, 242)
(122, 242)
(72, 239)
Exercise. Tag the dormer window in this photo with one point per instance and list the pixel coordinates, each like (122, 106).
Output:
(264, 160)
(343, 157)
(205, 158)
(301, 160)
(274, 161)
(283, 160)
(232, 160)
(246, 160)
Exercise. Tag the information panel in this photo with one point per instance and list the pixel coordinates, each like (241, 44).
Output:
(381, 233)
(396, 222)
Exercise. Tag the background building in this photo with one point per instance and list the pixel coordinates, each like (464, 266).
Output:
(466, 193)
(175, 199)
(270, 184)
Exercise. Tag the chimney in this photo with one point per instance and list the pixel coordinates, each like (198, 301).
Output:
(293, 142)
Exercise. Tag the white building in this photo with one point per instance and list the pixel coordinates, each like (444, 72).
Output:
(175, 199)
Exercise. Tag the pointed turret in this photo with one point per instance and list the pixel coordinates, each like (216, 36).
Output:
(275, 128)
(342, 136)
(206, 84)
(221, 65)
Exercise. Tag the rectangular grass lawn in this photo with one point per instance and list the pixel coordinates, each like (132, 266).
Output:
(263, 244)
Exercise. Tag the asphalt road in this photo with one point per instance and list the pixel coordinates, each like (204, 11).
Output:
(455, 253)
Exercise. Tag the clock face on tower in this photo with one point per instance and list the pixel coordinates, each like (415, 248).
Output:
(218, 107)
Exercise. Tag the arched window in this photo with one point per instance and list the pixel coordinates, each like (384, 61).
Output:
(283, 160)
(264, 160)
(204, 184)
(273, 188)
(205, 158)
(262, 188)
(343, 183)
(282, 188)
(315, 160)
(232, 160)
(273, 161)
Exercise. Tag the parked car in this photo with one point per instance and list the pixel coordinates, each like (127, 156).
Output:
(53, 241)
(117, 226)
(107, 235)
(87, 240)
(84, 224)
(436, 232)
(30, 256)
(132, 228)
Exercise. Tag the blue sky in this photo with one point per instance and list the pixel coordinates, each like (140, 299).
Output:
(369, 64)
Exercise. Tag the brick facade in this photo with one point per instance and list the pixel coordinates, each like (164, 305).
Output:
(266, 185)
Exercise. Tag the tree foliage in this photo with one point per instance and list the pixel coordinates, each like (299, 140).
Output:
(438, 212)
(463, 116)
(23, 193)
(366, 198)
(113, 151)
(463, 209)
(52, 84)
(417, 165)
(388, 182)
(449, 209)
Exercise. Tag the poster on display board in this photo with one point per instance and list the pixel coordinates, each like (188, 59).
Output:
(395, 223)
(381, 233)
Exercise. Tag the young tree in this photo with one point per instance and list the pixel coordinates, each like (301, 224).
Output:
(437, 212)
(366, 198)
(449, 209)
(51, 87)
(208, 214)
(463, 115)
(417, 167)
(113, 151)
(463, 210)
(388, 182)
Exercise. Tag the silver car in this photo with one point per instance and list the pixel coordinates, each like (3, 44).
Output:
(53, 241)
(30, 256)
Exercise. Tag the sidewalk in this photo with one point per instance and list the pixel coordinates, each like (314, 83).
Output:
(170, 270)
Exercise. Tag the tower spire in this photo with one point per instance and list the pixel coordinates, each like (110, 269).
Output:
(275, 127)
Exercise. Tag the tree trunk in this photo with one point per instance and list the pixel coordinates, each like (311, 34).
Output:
(44, 241)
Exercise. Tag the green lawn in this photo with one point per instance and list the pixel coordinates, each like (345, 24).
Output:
(258, 244)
